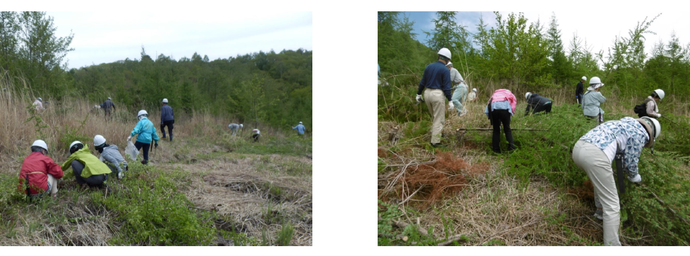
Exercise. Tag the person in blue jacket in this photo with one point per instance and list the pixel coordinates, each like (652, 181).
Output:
(300, 128)
(167, 119)
(146, 132)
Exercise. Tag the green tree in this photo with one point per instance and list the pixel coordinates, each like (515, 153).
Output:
(560, 67)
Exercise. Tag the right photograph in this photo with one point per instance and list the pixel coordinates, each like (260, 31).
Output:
(533, 129)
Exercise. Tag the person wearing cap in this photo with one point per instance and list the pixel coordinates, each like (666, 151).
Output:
(111, 156)
(592, 99)
(39, 174)
(86, 167)
(537, 103)
(472, 96)
(595, 151)
(300, 128)
(146, 133)
(499, 110)
(579, 90)
(256, 134)
(460, 93)
(38, 104)
(436, 85)
(651, 106)
(234, 127)
(106, 106)
(167, 119)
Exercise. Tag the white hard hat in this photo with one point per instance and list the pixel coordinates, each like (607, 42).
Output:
(450, 64)
(300, 122)
(241, 125)
(584, 78)
(660, 93)
(75, 143)
(40, 143)
(657, 126)
(142, 112)
(98, 140)
(474, 89)
(165, 100)
(39, 99)
(108, 97)
(527, 95)
(595, 80)
(444, 52)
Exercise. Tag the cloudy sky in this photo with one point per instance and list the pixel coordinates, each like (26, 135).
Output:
(104, 36)
(598, 28)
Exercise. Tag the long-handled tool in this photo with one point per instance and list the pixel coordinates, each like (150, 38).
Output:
(621, 174)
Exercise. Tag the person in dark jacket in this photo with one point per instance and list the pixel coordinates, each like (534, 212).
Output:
(106, 106)
(167, 119)
(41, 172)
(537, 103)
(580, 89)
(436, 84)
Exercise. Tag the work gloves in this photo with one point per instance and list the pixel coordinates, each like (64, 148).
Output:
(129, 138)
(659, 115)
(419, 98)
(636, 179)
(450, 105)
(156, 145)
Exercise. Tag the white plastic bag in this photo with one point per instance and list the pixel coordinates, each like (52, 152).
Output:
(131, 151)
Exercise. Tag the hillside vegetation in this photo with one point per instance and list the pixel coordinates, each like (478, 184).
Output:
(467, 195)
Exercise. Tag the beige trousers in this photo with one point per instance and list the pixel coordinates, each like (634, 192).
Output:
(53, 182)
(598, 168)
(435, 102)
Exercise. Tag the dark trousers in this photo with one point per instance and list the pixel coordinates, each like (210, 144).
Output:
(497, 117)
(92, 181)
(546, 108)
(579, 99)
(255, 137)
(169, 124)
(146, 147)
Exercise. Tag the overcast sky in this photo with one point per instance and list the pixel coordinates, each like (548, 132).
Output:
(104, 37)
(597, 28)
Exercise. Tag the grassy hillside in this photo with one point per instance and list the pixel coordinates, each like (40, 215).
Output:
(205, 188)
(467, 195)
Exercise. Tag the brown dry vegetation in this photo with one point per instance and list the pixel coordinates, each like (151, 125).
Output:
(247, 190)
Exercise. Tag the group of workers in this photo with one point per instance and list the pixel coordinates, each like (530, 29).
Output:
(593, 152)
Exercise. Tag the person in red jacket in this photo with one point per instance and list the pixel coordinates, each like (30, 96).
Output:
(41, 172)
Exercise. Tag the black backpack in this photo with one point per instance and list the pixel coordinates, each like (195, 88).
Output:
(641, 109)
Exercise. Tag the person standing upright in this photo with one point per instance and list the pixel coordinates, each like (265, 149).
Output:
(580, 89)
(460, 93)
(147, 132)
(106, 106)
(592, 99)
(167, 119)
(300, 129)
(436, 81)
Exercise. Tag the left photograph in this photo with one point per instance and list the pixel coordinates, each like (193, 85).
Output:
(155, 129)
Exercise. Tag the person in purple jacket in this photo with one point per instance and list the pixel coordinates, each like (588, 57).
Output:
(167, 119)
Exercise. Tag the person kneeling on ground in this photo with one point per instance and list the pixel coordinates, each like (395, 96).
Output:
(256, 135)
(500, 109)
(111, 156)
(146, 132)
(596, 150)
(537, 103)
(40, 171)
(651, 108)
(86, 167)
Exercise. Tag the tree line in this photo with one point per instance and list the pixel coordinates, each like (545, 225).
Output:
(268, 87)
(522, 53)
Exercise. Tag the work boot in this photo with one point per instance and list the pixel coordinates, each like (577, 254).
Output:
(144, 161)
(599, 214)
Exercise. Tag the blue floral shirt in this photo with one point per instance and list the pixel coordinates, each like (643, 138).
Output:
(603, 135)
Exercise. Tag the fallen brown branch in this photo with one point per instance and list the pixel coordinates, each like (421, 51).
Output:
(455, 238)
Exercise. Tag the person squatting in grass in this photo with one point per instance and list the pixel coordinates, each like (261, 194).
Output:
(86, 167)
(256, 135)
(111, 156)
(146, 132)
(167, 119)
(460, 93)
(499, 109)
(595, 151)
(537, 103)
(436, 80)
(300, 129)
(651, 107)
(234, 127)
(40, 171)
(592, 99)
